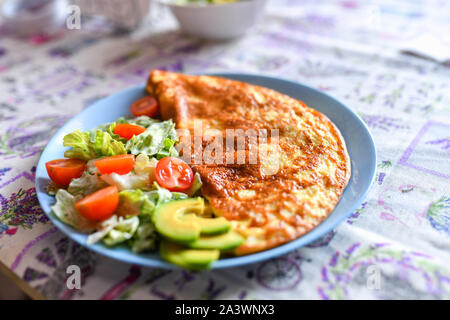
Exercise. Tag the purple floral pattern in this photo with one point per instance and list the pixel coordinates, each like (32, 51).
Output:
(403, 100)
(22, 209)
(350, 268)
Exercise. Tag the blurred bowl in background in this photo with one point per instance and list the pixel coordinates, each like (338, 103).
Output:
(26, 18)
(217, 21)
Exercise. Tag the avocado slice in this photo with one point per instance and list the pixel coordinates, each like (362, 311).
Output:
(169, 223)
(209, 226)
(192, 259)
(226, 241)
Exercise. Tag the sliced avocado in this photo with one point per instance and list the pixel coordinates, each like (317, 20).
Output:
(192, 259)
(209, 226)
(226, 241)
(168, 219)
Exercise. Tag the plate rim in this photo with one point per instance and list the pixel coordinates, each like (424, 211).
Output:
(141, 259)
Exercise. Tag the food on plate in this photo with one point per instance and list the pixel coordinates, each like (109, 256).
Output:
(141, 183)
(174, 174)
(99, 205)
(181, 221)
(146, 106)
(62, 171)
(193, 259)
(226, 241)
(169, 223)
(120, 164)
(285, 193)
(127, 131)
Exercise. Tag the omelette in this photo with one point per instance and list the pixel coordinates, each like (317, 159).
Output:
(300, 170)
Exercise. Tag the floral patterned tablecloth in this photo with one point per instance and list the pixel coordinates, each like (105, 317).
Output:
(396, 245)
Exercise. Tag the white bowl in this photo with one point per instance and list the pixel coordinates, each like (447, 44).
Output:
(48, 18)
(217, 21)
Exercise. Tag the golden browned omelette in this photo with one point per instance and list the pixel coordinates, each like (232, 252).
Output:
(298, 177)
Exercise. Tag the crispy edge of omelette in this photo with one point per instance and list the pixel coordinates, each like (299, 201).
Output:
(170, 109)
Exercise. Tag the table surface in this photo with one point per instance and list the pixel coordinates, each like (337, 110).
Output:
(396, 245)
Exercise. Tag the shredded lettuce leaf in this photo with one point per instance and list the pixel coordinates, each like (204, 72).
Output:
(160, 195)
(145, 165)
(133, 203)
(88, 183)
(142, 121)
(103, 228)
(88, 145)
(144, 238)
(158, 140)
(126, 181)
(138, 202)
(65, 210)
(124, 230)
(114, 230)
(108, 128)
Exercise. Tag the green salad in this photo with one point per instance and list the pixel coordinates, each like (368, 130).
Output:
(124, 184)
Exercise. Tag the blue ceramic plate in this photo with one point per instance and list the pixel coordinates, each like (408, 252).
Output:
(359, 142)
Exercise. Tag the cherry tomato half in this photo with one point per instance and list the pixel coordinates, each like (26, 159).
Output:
(99, 205)
(146, 106)
(120, 164)
(127, 131)
(174, 174)
(62, 171)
